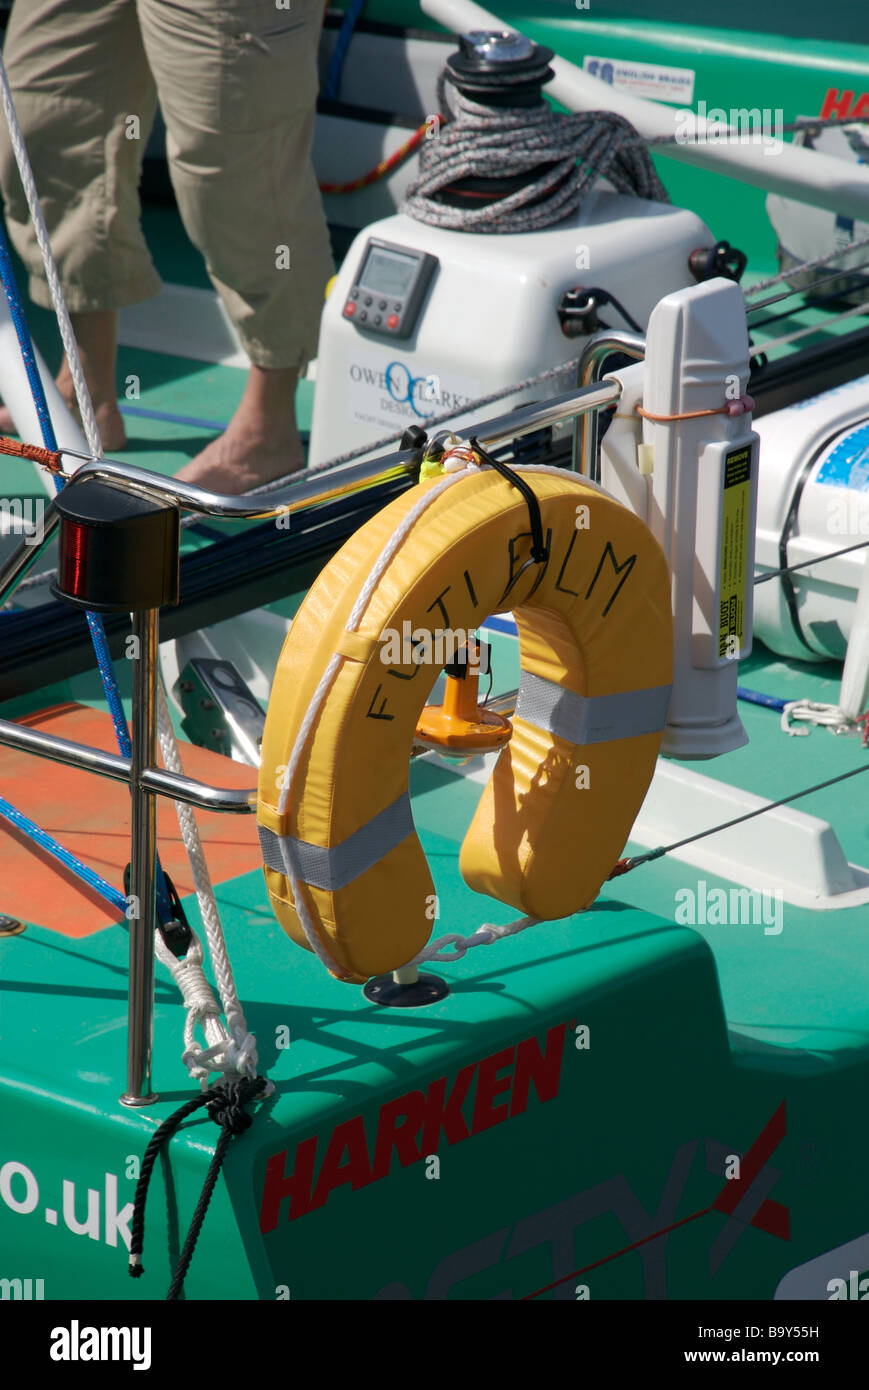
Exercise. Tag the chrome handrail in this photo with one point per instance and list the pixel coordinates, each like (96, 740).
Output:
(597, 350)
(313, 490)
(146, 781)
(177, 786)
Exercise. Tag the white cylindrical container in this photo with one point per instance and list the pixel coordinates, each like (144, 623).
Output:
(854, 692)
(814, 501)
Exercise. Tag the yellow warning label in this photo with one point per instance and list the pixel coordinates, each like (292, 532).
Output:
(734, 550)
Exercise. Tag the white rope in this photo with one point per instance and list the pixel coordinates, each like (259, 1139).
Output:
(485, 935)
(200, 1003)
(815, 712)
(82, 394)
(555, 472)
(232, 1048)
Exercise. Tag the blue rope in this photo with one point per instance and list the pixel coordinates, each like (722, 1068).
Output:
(22, 332)
(336, 63)
(66, 857)
(95, 623)
(49, 439)
(756, 697)
(110, 684)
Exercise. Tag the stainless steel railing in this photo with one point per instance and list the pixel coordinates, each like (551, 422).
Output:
(596, 352)
(145, 779)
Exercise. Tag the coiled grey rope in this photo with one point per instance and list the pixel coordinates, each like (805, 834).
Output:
(487, 142)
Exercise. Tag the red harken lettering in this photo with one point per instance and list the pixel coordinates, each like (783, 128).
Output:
(410, 1127)
(840, 105)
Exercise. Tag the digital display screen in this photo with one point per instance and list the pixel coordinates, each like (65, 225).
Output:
(388, 272)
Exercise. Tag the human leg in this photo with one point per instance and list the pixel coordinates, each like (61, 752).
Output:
(238, 84)
(86, 100)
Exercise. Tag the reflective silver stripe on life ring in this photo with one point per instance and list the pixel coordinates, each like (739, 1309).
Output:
(335, 866)
(588, 719)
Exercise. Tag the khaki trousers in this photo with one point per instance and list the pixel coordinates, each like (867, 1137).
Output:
(237, 84)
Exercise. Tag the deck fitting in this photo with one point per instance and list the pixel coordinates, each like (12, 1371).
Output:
(394, 992)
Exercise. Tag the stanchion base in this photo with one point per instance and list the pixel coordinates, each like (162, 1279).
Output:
(134, 1102)
(426, 989)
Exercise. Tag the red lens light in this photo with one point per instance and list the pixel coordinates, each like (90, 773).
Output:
(73, 566)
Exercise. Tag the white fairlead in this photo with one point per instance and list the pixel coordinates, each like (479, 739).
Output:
(695, 486)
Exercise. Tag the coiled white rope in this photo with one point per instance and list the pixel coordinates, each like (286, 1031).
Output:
(815, 712)
(232, 1048)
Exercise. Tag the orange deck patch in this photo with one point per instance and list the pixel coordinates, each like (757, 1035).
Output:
(90, 816)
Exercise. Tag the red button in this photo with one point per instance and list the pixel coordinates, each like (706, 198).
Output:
(392, 321)
(349, 309)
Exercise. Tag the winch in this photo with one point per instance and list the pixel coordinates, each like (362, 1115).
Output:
(423, 319)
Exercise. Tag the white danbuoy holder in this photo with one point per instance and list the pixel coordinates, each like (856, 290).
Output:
(699, 500)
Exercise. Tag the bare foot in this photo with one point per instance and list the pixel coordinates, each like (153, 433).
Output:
(260, 442)
(243, 458)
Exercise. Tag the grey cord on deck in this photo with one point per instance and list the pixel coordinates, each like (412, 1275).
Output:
(484, 141)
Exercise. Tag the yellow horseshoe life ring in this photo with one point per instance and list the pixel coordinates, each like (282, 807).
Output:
(595, 638)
